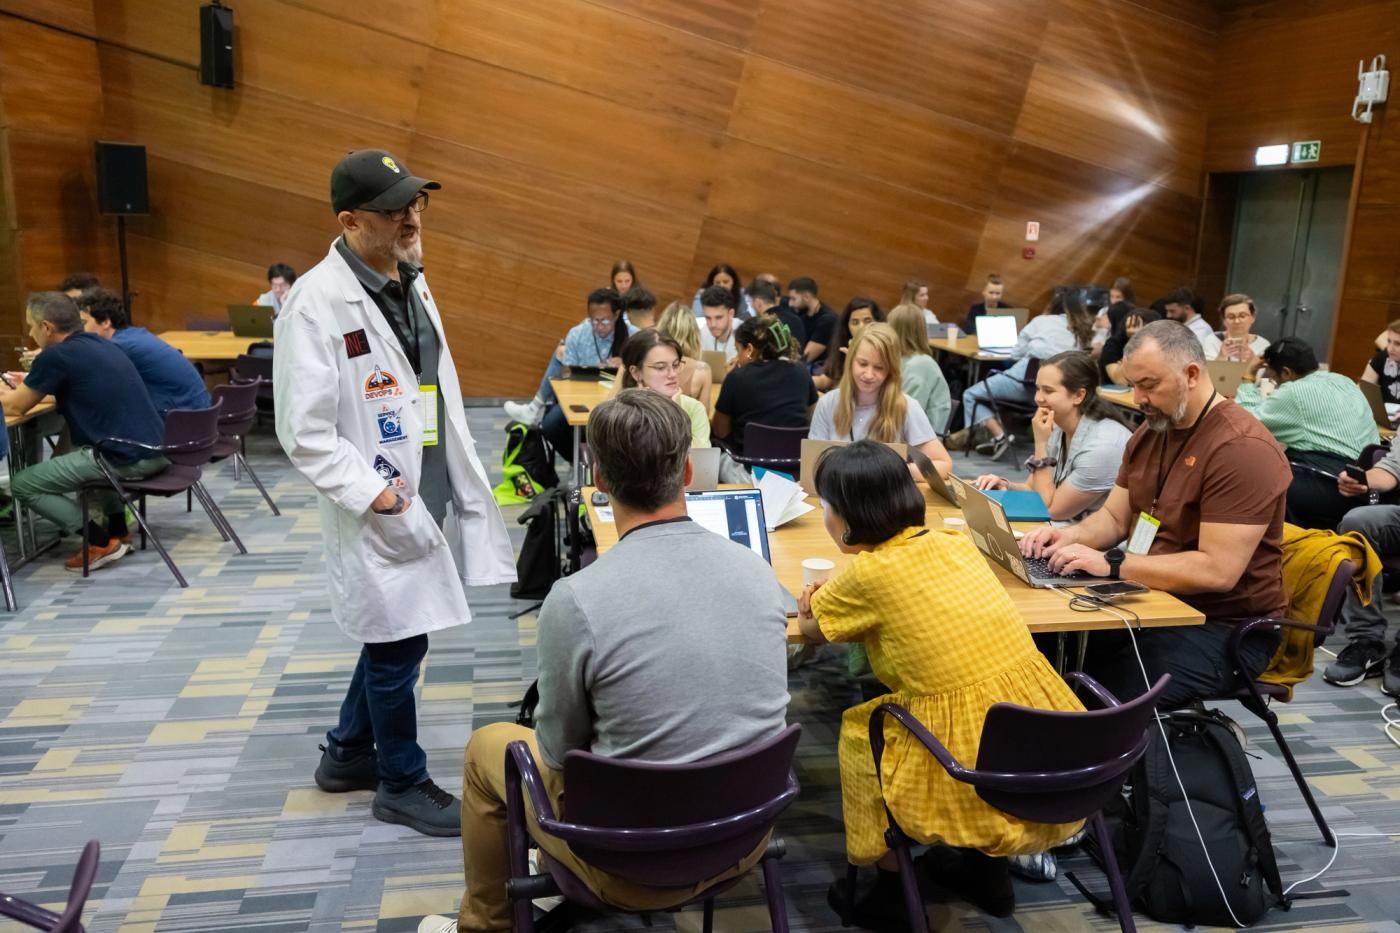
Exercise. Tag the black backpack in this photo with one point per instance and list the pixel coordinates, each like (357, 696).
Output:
(1165, 871)
(541, 556)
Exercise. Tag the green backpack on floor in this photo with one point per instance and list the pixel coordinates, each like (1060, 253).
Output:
(525, 465)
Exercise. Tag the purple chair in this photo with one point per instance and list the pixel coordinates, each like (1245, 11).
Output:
(650, 824)
(69, 921)
(1003, 407)
(772, 448)
(255, 369)
(190, 438)
(1038, 765)
(1254, 695)
(240, 410)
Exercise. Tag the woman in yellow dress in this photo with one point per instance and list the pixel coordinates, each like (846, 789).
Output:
(943, 636)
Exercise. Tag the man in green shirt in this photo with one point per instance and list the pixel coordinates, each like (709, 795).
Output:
(1321, 419)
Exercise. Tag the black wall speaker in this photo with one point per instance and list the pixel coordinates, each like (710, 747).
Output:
(121, 179)
(216, 45)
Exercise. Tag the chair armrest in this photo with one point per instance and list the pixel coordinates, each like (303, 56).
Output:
(521, 770)
(1096, 689)
(920, 734)
(107, 443)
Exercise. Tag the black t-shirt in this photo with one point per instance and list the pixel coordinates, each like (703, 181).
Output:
(793, 320)
(772, 392)
(1390, 384)
(99, 393)
(820, 327)
(976, 311)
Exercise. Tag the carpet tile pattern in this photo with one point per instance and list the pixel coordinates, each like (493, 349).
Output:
(180, 727)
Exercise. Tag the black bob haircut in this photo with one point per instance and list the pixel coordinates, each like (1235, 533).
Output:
(869, 486)
(1291, 353)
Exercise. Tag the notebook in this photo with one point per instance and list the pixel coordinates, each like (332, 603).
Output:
(1021, 505)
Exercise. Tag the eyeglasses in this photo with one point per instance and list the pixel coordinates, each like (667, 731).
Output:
(1238, 317)
(665, 367)
(417, 205)
(600, 321)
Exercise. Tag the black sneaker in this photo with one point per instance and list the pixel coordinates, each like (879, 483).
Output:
(880, 908)
(424, 808)
(1357, 661)
(1390, 682)
(338, 777)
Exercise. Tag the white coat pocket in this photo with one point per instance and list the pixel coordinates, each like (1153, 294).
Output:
(408, 536)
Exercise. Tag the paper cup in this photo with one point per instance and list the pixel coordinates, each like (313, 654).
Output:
(953, 523)
(816, 570)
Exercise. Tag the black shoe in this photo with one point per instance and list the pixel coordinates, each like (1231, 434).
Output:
(880, 908)
(425, 808)
(1390, 682)
(338, 777)
(981, 880)
(1357, 661)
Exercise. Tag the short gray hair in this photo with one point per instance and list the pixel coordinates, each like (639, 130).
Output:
(1176, 341)
(56, 308)
(640, 441)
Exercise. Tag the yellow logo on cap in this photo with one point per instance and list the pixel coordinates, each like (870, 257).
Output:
(390, 164)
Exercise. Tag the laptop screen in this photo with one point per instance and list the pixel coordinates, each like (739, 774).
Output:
(735, 513)
(996, 330)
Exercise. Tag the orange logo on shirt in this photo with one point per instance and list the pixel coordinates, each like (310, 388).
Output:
(1190, 461)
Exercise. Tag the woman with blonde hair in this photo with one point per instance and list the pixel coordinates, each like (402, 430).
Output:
(921, 376)
(678, 323)
(870, 402)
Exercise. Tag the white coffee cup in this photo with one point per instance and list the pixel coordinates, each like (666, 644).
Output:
(952, 333)
(816, 570)
(954, 523)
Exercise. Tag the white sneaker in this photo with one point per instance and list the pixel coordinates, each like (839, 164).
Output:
(527, 413)
(436, 924)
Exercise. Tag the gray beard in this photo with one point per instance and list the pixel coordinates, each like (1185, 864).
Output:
(412, 255)
(1162, 421)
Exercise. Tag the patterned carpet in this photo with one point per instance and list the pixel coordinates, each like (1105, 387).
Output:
(179, 727)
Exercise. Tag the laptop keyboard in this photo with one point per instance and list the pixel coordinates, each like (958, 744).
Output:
(1039, 567)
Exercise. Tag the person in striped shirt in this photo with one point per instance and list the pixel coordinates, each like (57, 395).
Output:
(1321, 419)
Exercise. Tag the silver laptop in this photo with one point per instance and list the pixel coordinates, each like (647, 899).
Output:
(737, 514)
(1022, 315)
(1226, 375)
(931, 475)
(996, 333)
(1372, 391)
(718, 362)
(704, 469)
(991, 532)
(812, 451)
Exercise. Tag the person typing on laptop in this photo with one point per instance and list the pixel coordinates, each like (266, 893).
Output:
(1321, 419)
(1199, 502)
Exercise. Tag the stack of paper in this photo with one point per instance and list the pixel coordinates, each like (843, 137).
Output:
(783, 500)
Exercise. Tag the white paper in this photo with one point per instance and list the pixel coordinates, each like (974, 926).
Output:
(604, 513)
(783, 500)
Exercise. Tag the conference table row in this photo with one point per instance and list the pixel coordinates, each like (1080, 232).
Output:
(1044, 610)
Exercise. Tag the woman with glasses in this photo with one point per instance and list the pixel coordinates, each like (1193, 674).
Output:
(651, 360)
(1239, 314)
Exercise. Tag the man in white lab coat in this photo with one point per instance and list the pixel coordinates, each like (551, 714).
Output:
(370, 411)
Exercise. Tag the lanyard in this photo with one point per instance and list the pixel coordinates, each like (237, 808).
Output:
(1171, 463)
(414, 351)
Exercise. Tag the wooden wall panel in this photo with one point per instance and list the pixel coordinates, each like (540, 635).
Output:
(859, 143)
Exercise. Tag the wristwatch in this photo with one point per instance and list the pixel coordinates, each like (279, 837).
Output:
(1040, 463)
(1114, 556)
(396, 508)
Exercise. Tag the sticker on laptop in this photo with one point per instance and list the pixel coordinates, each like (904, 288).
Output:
(391, 473)
(390, 421)
(381, 384)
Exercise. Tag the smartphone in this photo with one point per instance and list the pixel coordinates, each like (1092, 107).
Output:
(578, 408)
(6, 379)
(1115, 589)
(1356, 473)
(599, 497)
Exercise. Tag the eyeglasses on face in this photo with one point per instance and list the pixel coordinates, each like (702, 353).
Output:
(417, 205)
(665, 367)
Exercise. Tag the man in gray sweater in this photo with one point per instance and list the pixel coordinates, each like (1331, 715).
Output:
(670, 648)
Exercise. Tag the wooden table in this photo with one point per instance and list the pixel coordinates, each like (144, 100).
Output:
(209, 344)
(967, 347)
(1043, 610)
(1122, 398)
(23, 450)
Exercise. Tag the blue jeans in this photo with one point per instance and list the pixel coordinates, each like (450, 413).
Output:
(546, 392)
(556, 430)
(378, 710)
(999, 386)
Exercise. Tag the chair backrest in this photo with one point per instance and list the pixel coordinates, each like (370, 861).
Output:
(240, 406)
(191, 433)
(1331, 606)
(769, 442)
(247, 368)
(206, 323)
(674, 825)
(70, 920)
(1371, 454)
(1053, 767)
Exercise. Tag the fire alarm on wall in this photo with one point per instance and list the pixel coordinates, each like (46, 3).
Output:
(1028, 252)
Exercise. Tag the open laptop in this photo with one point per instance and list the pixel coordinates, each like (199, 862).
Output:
(931, 475)
(1379, 410)
(704, 469)
(590, 374)
(996, 333)
(737, 514)
(812, 451)
(719, 363)
(991, 532)
(1022, 315)
(251, 320)
(1226, 375)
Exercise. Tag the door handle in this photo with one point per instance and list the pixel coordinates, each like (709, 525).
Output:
(1303, 309)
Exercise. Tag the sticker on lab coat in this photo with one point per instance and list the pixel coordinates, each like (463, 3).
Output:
(381, 384)
(386, 469)
(356, 343)
(390, 422)
(430, 422)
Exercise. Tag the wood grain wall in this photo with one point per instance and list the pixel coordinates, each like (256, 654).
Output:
(1287, 71)
(861, 143)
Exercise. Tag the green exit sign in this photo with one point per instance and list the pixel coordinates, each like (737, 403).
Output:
(1307, 151)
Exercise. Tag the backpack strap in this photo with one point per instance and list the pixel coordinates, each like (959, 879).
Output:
(1247, 803)
(515, 440)
(1150, 780)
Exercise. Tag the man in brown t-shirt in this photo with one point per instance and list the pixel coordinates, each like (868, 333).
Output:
(1216, 482)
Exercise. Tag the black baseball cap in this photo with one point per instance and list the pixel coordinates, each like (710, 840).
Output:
(372, 179)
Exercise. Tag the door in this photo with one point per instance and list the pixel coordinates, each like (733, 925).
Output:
(1286, 250)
